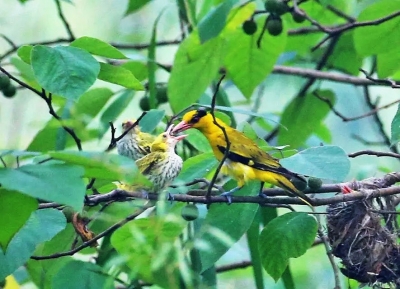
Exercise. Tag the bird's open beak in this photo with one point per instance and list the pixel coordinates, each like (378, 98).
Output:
(170, 132)
(180, 137)
(183, 125)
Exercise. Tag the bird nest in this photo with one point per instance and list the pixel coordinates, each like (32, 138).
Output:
(366, 240)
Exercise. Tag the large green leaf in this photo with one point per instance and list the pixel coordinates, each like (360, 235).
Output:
(325, 162)
(196, 167)
(24, 52)
(395, 128)
(51, 182)
(150, 121)
(154, 247)
(195, 66)
(301, 118)
(223, 226)
(82, 275)
(91, 103)
(41, 226)
(213, 23)
(65, 71)
(388, 63)
(114, 110)
(15, 211)
(248, 65)
(198, 140)
(99, 164)
(345, 56)
(382, 38)
(134, 5)
(98, 47)
(287, 236)
(119, 75)
(252, 240)
(42, 272)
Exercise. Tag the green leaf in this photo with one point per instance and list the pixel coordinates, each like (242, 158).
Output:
(65, 71)
(119, 75)
(99, 164)
(383, 36)
(223, 226)
(82, 275)
(114, 110)
(43, 271)
(98, 47)
(388, 63)
(46, 138)
(150, 121)
(138, 69)
(214, 22)
(154, 247)
(287, 236)
(92, 102)
(243, 57)
(324, 162)
(298, 120)
(25, 71)
(134, 5)
(196, 167)
(24, 52)
(252, 240)
(345, 56)
(15, 211)
(41, 226)
(65, 181)
(198, 140)
(395, 128)
(195, 66)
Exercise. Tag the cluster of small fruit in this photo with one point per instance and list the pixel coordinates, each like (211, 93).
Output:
(275, 8)
(161, 97)
(6, 87)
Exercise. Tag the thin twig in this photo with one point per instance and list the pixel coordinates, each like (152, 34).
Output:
(3, 162)
(341, 14)
(99, 236)
(347, 119)
(366, 142)
(228, 144)
(64, 21)
(328, 252)
(48, 101)
(9, 41)
(114, 139)
(390, 82)
(374, 153)
(378, 121)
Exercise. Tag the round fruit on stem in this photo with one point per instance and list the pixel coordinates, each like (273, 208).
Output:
(274, 25)
(9, 91)
(297, 17)
(144, 103)
(249, 27)
(4, 81)
(278, 7)
(314, 183)
(190, 212)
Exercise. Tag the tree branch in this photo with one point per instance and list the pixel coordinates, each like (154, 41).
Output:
(64, 21)
(99, 236)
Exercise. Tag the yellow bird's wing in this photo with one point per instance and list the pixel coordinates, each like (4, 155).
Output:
(149, 162)
(244, 150)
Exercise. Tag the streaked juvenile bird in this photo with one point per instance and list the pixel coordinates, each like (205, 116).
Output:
(162, 165)
(135, 144)
(245, 160)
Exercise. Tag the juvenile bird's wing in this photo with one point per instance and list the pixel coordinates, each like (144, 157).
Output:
(149, 162)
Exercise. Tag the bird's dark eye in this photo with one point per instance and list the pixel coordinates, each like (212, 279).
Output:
(164, 135)
(199, 114)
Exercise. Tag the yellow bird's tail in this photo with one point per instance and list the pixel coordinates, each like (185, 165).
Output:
(281, 178)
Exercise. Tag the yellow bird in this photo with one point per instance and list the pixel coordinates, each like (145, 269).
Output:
(245, 160)
(135, 144)
(162, 165)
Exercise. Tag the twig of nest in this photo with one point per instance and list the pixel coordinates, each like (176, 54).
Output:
(365, 240)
